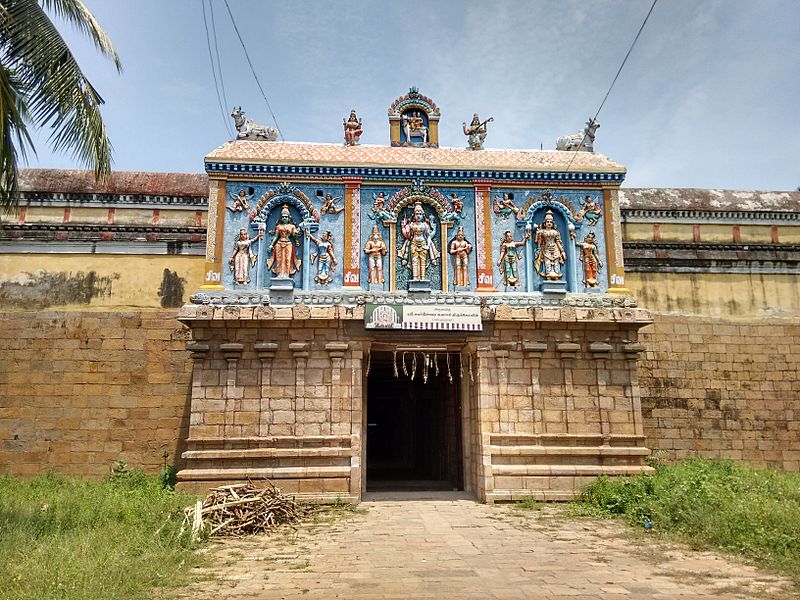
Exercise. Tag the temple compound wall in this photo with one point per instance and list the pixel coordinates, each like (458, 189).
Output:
(350, 318)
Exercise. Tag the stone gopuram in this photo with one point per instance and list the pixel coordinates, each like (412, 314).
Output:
(413, 317)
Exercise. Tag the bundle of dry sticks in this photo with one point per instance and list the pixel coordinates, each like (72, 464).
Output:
(242, 509)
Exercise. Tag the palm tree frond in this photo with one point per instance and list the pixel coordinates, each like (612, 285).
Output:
(82, 19)
(13, 135)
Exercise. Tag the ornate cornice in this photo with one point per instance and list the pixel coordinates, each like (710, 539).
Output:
(109, 200)
(735, 217)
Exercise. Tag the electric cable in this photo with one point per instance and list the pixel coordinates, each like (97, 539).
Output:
(219, 64)
(214, 72)
(624, 60)
(252, 69)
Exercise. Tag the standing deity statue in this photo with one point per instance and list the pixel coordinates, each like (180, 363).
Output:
(283, 261)
(550, 253)
(459, 250)
(476, 132)
(326, 260)
(240, 202)
(375, 249)
(352, 130)
(243, 257)
(418, 246)
(590, 258)
(509, 258)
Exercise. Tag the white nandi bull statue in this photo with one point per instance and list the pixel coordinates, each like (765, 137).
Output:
(583, 141)
(250, 130)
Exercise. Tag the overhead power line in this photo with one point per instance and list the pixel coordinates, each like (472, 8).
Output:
(214, 74)
(252, 69)
(219, 63)
(624, 60)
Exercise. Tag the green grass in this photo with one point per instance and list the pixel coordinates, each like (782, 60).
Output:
(74, 538)
(712, 504)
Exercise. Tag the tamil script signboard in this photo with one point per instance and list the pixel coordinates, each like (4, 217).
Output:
(420, 317)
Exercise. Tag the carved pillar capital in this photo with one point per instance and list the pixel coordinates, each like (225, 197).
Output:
(232, 351)
(266, 350)
(198, 350)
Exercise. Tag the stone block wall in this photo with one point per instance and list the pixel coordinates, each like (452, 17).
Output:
(80, 390)
(277, 400)
(723, 389)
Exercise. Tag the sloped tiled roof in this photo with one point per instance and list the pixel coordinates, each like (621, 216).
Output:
(291, 153)
(703, 199)
(79, 181)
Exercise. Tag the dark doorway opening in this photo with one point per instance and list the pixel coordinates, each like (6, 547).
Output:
(413, 426)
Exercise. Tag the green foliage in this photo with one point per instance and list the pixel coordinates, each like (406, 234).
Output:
(722, 504)
(74, 538)
(529, 503)
(42, 84)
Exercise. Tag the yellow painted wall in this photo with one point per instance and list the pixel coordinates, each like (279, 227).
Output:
(722, 234)
(135, 280)
(83, 215)
(45, 215)
(179, 218)
(761, 234)
(734, 295)
(788, 234)
(676, 232)
(637, 232)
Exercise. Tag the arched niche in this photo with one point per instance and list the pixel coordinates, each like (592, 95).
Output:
(564, 221)
(420, 108)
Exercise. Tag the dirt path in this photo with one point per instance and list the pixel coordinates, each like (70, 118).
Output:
(462, 549)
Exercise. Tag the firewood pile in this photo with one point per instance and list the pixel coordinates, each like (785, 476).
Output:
(242, 509)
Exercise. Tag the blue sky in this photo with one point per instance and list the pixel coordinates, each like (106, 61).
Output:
(709, 98)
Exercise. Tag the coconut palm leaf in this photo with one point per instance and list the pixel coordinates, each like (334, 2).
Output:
(50, 82)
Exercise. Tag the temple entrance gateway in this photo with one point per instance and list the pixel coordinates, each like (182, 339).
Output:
(413, 424)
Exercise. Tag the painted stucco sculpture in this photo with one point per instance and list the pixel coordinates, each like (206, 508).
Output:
(325, 258)
(509, 259)
(460, 250)
(240, 201)
(476, 132)
(352, 130)
(590, 258)
(375, 249)
(550, 254)
(504, 206)
(591, 211)
(247, 129)
(583, 141)
(243, 257)
(418, 247)
(283, 260)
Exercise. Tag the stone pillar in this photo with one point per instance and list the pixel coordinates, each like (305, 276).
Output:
(567, 351)
(488, 414)
(483, 236)
(232, 352)
(632, 351)
(351, 260)
(601, 350)
(300, 353)
(217, 194)
(266, 352)
(198, 352)
(613, 231)
(533, 352)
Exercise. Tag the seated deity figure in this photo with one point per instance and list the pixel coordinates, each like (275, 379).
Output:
(459, 250)
(352, 130)
(476, 132)
(375, 249)
(590, 258)
(243, 257)
(550, 253)
(591, 211)
(283, 260)
(509, 258)
(326, 260)
(418, 246)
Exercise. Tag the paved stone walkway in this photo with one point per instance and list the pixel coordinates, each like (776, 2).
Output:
(457, 548)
